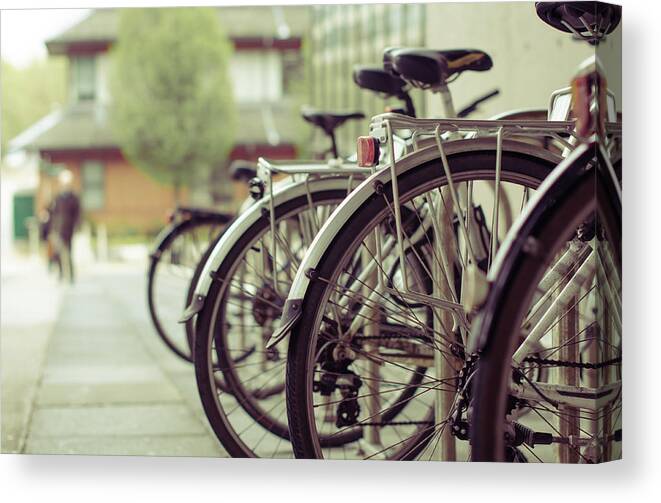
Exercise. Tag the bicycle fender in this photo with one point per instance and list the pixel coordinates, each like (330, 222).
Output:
(243, 222)
(160, 240)
(292, 309)
(197, 213)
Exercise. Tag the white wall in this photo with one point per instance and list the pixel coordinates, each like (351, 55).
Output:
(530, 59)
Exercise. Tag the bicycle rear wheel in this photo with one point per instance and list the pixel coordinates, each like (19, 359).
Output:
(241, 384)
(172, 269)
(362, 361)
(559, 281)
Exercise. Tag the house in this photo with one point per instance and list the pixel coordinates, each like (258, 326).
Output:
(267, 56)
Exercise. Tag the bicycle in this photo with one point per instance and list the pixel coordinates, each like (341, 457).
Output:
(369, 334)
(172, 268)
(244, 279)
(561, 264)
(298, 209)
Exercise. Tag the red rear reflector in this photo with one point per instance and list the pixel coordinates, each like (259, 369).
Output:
(582, 93)
(589, 89)
(368, 151)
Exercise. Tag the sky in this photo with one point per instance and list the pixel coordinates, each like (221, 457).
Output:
(23, 32)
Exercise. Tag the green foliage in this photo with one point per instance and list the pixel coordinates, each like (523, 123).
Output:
(28, 94)
(173, 112)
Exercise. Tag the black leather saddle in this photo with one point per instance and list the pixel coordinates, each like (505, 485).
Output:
(429, 67)
(378, 80)
(592, 20)
(329, 121)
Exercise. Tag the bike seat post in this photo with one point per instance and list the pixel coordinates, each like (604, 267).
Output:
(408, 104)
(334, 151)
(446, 100)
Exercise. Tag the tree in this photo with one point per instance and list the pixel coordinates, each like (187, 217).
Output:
(173, 112)
(26, 97)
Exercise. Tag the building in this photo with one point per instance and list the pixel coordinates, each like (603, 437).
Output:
(530, 59)
(266, 61)
(342, 36)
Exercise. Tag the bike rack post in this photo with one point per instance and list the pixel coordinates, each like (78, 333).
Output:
(565, 335)
(372, 330)
(443, 448)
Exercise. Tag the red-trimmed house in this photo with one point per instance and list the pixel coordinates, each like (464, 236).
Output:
(267, 43)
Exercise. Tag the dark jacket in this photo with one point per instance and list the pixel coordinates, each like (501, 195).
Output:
(65, 215)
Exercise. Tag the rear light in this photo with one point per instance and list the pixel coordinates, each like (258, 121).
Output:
(587, 90)
(368, 151)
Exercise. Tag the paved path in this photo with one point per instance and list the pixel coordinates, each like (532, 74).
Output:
(107, 385)
(30, 303)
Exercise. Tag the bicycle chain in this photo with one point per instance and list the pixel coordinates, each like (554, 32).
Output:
(562, 363)
(396, 423)
(530, 359)
(391, 336)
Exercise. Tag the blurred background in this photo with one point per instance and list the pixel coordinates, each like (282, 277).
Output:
(74, 101)
(147, 109)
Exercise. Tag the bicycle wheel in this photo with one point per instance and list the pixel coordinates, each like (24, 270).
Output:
(379, 353)
(237, 320)
(559, 282)
(172, 268)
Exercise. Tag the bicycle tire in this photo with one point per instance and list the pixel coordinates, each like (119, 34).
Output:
(177, 230)
(578, 192)
(211, 317)
(467, 165)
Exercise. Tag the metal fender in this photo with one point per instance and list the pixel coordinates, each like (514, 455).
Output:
(292, 308)
(246, 219)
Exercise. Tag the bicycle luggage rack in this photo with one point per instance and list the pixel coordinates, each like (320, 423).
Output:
(383, 127)
(303, 169)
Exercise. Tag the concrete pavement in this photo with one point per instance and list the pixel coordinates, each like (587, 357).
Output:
(94, 378)
(29, 307)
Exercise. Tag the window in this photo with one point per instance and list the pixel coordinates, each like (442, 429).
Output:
(84, 78)
(257, 76)
(93, 181)
(292, 72)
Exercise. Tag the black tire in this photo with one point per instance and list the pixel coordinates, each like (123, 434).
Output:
(568, 203)
(166, 330)
(208, 334)
(518, 168)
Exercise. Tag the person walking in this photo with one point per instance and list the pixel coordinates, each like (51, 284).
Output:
(63, 222)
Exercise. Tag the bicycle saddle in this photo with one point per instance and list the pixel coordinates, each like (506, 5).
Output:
(329, 121)
(429, 67)
(378, 80)
(592, 20)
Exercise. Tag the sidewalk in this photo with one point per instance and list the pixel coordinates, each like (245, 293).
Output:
(29, 306)
(108, 385)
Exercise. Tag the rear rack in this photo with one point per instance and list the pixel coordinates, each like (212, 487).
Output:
(311, 167)
(303, 171)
